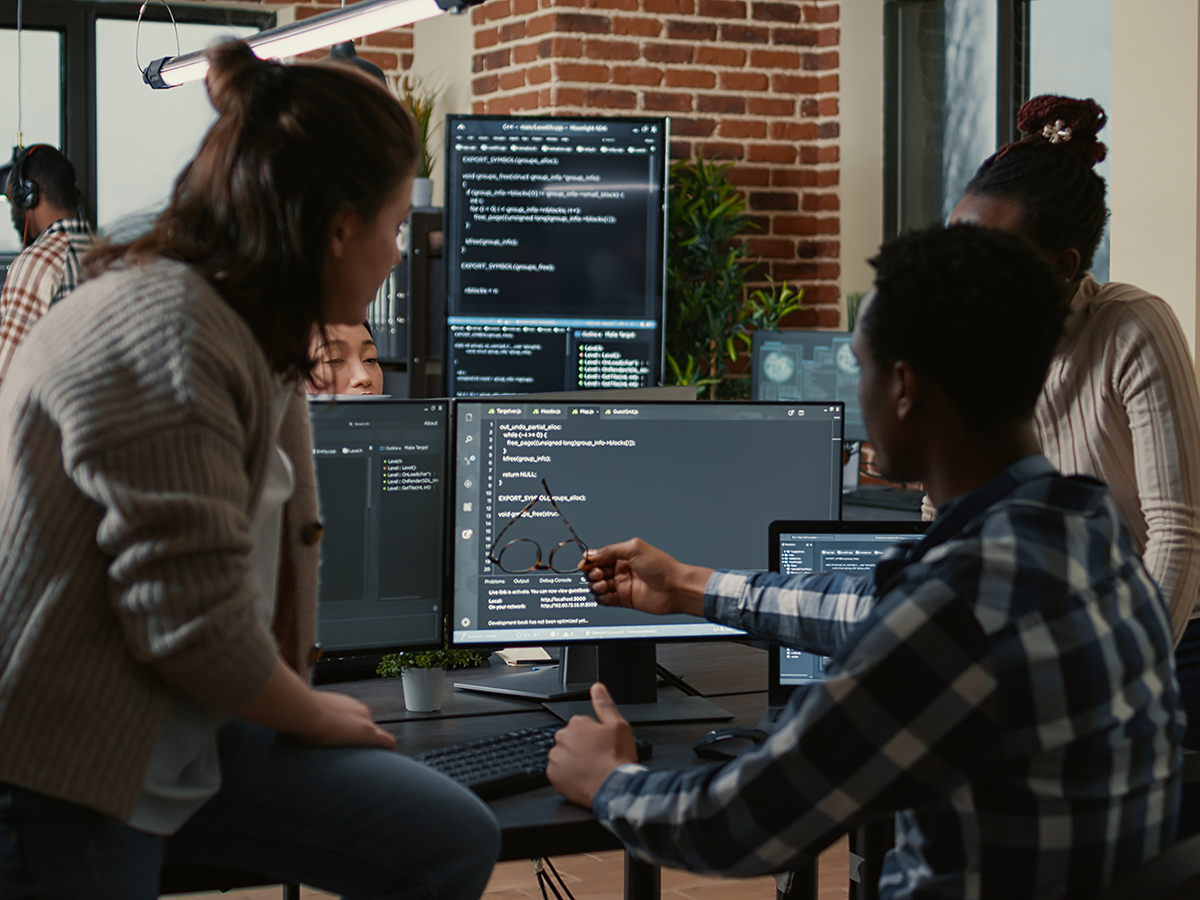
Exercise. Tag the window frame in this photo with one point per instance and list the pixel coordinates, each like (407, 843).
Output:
(75, 20)
(1012, 90)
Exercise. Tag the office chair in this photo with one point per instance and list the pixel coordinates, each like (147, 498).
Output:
(1172, 875)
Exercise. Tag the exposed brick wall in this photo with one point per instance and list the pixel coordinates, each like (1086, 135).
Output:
(750, 81)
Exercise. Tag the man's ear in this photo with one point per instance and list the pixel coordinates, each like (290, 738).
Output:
(1067, 264)
(905, 389)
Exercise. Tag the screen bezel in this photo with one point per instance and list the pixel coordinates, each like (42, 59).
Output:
(451, 527)
(452, 173)
(447, 586)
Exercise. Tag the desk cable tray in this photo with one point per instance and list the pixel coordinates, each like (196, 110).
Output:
(508, 763)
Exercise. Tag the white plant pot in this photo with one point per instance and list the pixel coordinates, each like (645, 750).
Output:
(423, 689)
(422, 192)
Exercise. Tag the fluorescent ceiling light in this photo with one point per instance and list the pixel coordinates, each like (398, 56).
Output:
(313, 33)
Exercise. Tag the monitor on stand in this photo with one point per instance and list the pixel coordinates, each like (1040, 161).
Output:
(811, 366)
(554, 253)
(381, 473)
(701, 481)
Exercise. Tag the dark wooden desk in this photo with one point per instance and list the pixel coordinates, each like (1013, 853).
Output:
(541, 823)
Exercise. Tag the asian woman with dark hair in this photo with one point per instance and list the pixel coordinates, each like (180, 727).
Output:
(158, 512)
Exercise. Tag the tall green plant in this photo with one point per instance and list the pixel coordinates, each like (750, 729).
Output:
(420, 101)
(709, 316)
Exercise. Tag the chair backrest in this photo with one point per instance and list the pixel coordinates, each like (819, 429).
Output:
(1172, 875)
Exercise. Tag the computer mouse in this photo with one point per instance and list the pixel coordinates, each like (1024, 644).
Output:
(727, 743)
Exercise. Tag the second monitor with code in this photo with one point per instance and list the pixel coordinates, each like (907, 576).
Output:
(555, 253)
(536, 480)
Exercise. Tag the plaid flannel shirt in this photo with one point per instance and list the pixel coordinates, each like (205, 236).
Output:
(45, 272)
(1005, 686)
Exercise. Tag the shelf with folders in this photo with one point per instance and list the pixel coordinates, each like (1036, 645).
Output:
(388, 316)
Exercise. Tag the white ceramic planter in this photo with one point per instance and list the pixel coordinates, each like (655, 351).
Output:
(422, 192)
(423, 689)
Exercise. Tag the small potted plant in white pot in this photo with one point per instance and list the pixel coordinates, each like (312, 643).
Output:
(424, 673)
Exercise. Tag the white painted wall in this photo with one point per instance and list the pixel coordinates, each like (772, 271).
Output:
(861, 119)
(442, 57)
(1154, 193)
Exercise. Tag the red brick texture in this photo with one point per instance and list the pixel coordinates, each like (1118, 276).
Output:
(754, 82)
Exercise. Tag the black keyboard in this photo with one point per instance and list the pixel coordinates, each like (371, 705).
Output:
(505, 764)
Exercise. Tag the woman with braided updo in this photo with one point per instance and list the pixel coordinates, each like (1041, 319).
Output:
(1120, 401)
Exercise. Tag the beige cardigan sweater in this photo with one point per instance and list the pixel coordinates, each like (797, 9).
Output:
(1120, 403)
(137, 424)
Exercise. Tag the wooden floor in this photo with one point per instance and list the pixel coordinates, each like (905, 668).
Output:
(601, 876)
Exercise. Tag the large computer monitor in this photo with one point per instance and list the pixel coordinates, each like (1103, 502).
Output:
(702, 481)
(810, 366)
(381, 473)
(555, 237)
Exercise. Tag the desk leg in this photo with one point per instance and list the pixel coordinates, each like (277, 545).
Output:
(868, 845)
(643, 881)
(801, 884)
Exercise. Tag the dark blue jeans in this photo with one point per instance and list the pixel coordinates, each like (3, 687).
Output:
(360, 822)
(1187, 670)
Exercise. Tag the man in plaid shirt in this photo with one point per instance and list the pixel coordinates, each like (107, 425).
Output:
(54, 237)
(1004, 686)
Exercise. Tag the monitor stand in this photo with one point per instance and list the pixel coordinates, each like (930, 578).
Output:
(571, 679)
(628, 670)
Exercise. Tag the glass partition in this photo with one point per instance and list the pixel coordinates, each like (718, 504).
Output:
(943, 73)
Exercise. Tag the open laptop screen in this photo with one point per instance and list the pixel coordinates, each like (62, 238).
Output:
(802, 547)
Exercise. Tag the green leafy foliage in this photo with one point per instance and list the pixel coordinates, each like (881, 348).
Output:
(853, 302)
(395, 664)
(420, 100)
(709, 316)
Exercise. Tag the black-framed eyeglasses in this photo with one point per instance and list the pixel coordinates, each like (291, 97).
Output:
(523, 555)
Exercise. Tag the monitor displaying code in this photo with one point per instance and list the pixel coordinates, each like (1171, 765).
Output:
(381, 475)
(702, 481)
(554, 252)
(804, 554)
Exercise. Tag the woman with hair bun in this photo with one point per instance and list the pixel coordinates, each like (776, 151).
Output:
(159, 521)
(1120, 401)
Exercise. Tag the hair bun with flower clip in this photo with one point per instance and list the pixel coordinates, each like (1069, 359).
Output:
(1066, 122)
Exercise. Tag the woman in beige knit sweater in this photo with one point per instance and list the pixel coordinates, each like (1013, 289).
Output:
(1120, 401)
(157, 504)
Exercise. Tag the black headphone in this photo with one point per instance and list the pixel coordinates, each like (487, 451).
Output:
(22, 193)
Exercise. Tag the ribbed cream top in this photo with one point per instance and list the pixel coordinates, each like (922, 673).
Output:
(1120, 403)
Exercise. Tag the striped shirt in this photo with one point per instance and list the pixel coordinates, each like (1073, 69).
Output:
(1120, 403)
(1003, 686)
(45, 272)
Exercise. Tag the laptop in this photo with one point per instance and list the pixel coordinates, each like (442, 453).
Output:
(801, 547)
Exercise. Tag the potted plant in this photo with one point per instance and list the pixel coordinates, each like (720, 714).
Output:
(424, 673)
(420, 101)
(709, 316)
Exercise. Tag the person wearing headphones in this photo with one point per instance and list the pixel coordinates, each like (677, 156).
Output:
(45, 211)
